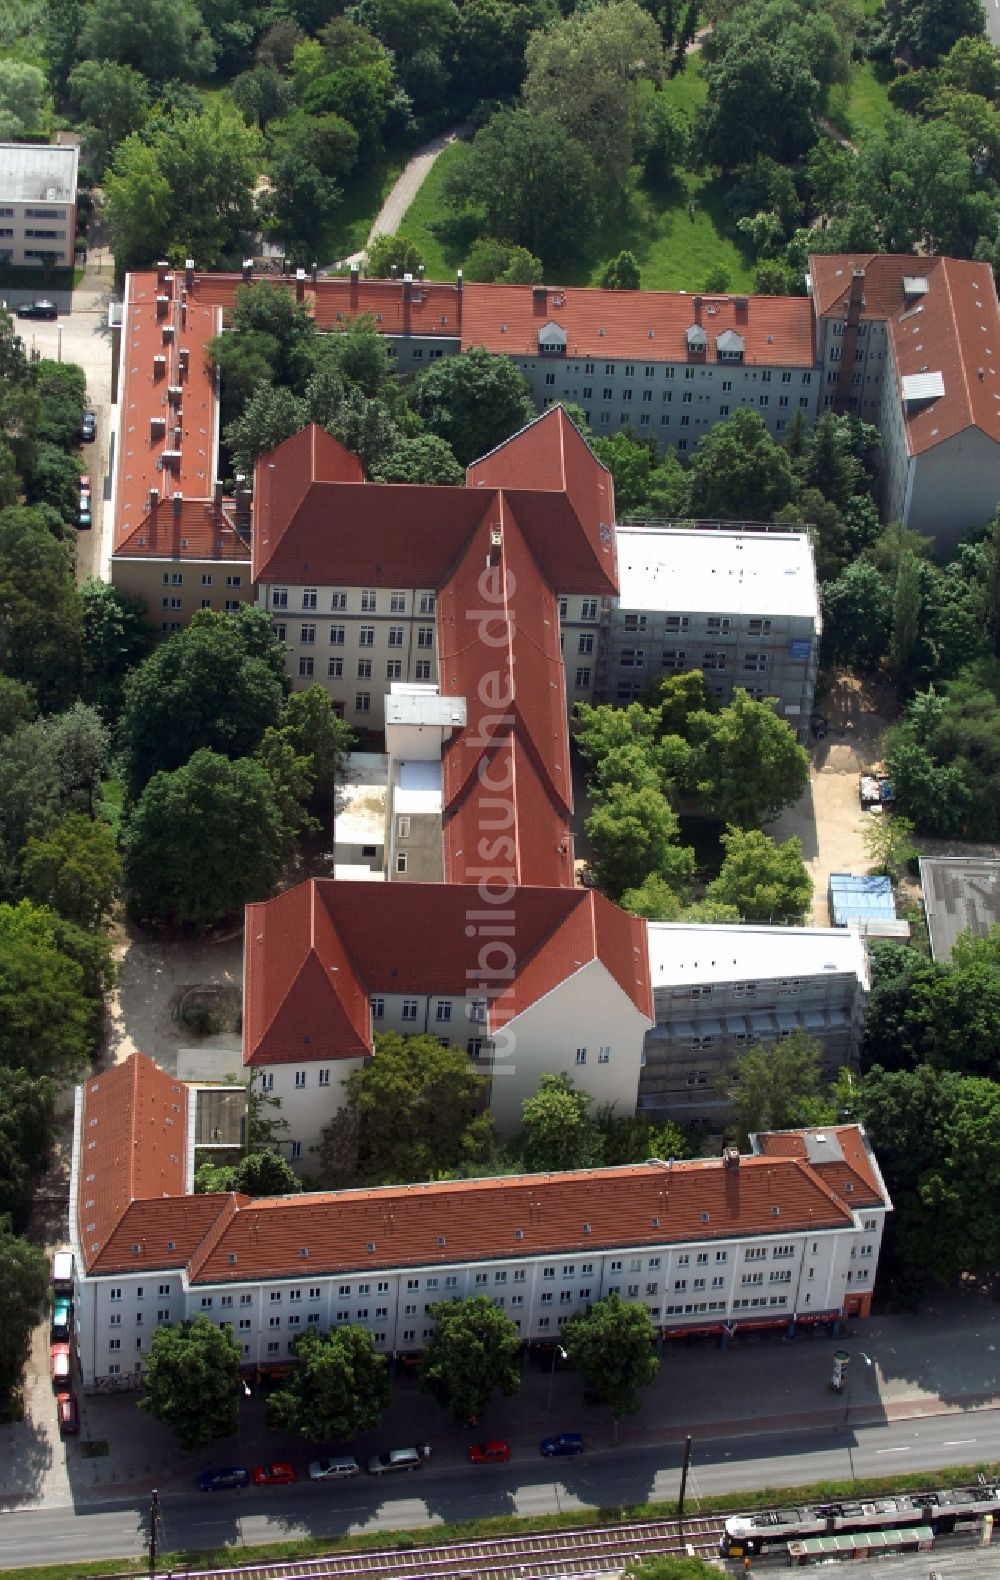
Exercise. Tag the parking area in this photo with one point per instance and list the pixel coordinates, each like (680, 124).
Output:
(80, 334)
(828, 818)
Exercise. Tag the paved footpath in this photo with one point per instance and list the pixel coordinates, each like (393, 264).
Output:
(946, 1359)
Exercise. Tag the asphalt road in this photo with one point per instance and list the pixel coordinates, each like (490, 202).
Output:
(526, 1487)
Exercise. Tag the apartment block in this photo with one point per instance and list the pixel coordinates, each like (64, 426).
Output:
(788, 1235)
(719, 990)
(38, 204)
(742, 606)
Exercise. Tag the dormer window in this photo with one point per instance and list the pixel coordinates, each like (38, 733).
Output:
(729, 346)
(552, 340)
(697, 340)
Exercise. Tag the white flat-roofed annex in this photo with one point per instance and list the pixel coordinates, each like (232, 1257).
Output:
(681, 954)
(38, 173)
(422, 705)
(688, 570)
(418, 787)
(361, 799)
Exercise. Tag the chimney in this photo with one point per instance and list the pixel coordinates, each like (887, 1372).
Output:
(300, 285)
(242, 508)
(458, 300)
(174, 393)
(407, 292)
(731, 1158)
(217, 493)
(355, 277)
(154, 498)
(157, 428)
(159, 366)
(247, 270)
(161, 273)
(183, 357)
(177, 501)
(393, 272)
(496, 544)
(420, 273)
(855, 301)
(314, 271)
(162, 303)
(697, 309)
(189, 273)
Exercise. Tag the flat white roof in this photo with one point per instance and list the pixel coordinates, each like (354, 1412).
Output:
(38, 172)
(361, 798)
(414, 706)
(684, 570)
(418, 787)
(922, 386)
(681, 954)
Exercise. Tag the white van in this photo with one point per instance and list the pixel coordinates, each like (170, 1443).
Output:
(62, 1272)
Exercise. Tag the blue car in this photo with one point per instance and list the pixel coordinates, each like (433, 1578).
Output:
(222, 1480)
(563, 1443)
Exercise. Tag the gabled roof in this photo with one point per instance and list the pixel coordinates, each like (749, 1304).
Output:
(192, 529)
(315, 954)
(131, 1146)
(944, 331)
(648, 326)
(838, 1154)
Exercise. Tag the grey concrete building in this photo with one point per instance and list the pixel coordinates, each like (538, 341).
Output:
(38, 204)
(719, 990)
(961, 895)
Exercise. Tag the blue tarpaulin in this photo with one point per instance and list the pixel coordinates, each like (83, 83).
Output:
(859, 899)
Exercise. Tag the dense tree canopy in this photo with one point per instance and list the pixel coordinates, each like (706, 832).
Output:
(474, 401)
(338, 1388)
(559, 1130)
(474, 1350)
(191, 1381)
(764, 881)
(612, 1346)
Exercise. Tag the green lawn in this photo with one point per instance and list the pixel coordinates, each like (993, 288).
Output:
(440, 260)
(861, 104)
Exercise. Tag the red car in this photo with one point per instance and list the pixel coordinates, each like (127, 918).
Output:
(59, 1364)
(281, 1475)
(69, 1418)
(493, 1453)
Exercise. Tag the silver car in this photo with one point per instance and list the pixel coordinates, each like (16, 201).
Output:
(395, 1459)
(334, 1469)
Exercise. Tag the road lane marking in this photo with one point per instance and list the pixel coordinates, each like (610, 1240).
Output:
(892, 1451)
(956, 1442)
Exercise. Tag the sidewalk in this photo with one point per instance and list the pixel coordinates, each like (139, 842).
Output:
(945, 1359)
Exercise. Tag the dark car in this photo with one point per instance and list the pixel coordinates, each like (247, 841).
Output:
(84, 519)
(562, 1443)
(88, 427)
(69, 1416)
(43, 308)
(62, 1317)
(495, 1452)
(222, 1480)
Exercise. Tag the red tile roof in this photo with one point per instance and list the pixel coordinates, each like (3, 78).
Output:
(132, 1145)
(187, 324)
(851, 1175)
(315, 954)
(230, 1239)
(192, 529)
(646, 325)
(953, 328)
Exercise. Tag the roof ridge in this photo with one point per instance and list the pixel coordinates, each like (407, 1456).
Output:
(805, 1166)
(969, 407)
(229, 1206)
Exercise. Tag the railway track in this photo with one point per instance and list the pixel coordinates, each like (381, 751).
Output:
(540, 1555)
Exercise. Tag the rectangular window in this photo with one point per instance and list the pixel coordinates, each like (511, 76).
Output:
(588, 609)
(754, 663)
(582, 677)
(300, 1080)
(377, 1008)
(425, 636)
(428, 602)
(401, 861)
(423, 669)
(335, 669)
(368, 600)
(338, 600)
(443, 1009)
(337, 635)
(409, 1009)
(366, 636)
(395, 636)
(581, 1055)
(397, 603)
(306, 667)
(364, 669)
(394, 669)
(362, 702)
(309, 597)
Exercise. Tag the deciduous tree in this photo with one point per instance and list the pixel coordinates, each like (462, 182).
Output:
(749, 764)
(422, 459)
(632, 834)
(612, 1347)
(474, 401)
(204, 840)
(191, 1381)
(559, 1130)
(764, 881)
(45, 1015)
(888, 844)
(474, 1350)
(74, 869)
(161, 39)
(24, 1278)
(738, 472)
(339, 1387)
(778, 1085)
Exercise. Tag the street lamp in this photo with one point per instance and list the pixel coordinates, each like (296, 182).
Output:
(557, 1354)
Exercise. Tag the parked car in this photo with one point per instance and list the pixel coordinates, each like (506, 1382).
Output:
(43, 308)
(395, 1459)
(562, 1443)
(62, 1317)
(60, 1363)
(334, 1469)
(493, 1453)
(280, 1475)
(85, 483)
(84, 519)
(88, 427)
(222, 1480)
(68, 1414)
(62, 1272)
